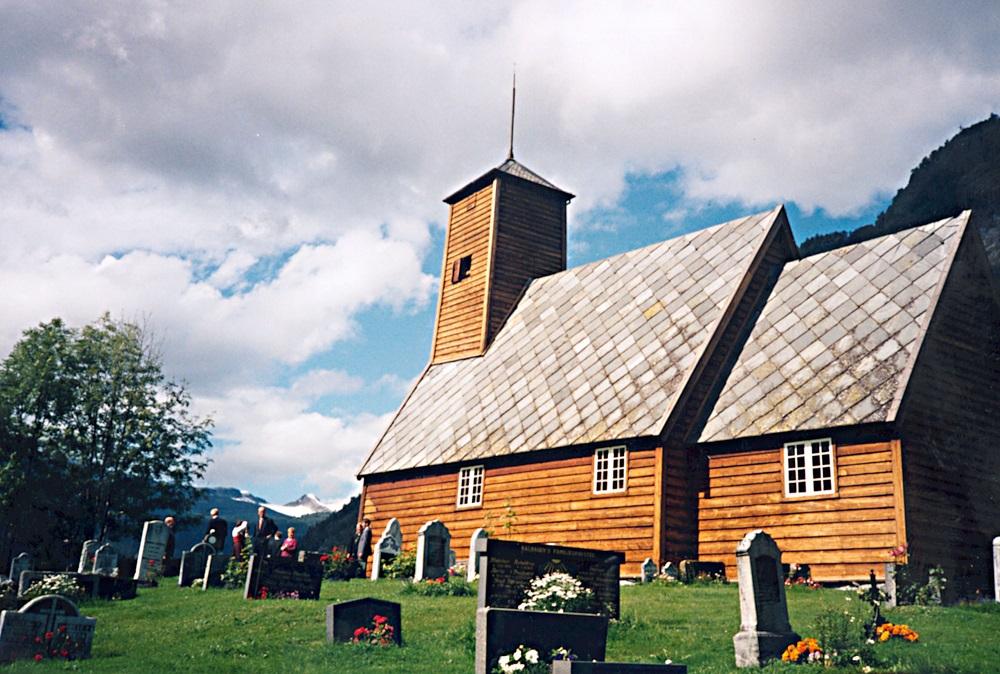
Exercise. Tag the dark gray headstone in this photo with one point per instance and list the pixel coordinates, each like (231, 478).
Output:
(193, 564)
(499, 631)
(20, 563)
(87, 556)
(579, 667)
(152, 547)
(764, 629)
(215, 566)
(388, 546)
(344, 618)
(273, 577)
(433, 545)
(508, 567)
(106, 560)
(56, 621)
(648, 570)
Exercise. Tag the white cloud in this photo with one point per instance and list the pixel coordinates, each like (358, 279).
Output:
(321, 382)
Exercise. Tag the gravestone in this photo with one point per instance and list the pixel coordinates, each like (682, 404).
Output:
(215, 566)
(193, 563)
(20, 563)
(388, 546)
(343, 618)
(152, 547)
(506, 569)
(996, 568)
(670, 571)
(433, 541)
(86, 556)
(55, 621)
(106, 561)
(694, 569)
(275, 577)
(500, 630)
(648, 570)
(580, 667)
(452, 558)
(764, 627)
(473, 566)
(891, 599)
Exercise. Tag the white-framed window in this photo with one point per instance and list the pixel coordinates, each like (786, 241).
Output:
(809, 468)
(610, 470)
(470, 487)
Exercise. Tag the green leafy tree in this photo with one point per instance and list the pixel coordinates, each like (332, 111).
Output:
(98, 437)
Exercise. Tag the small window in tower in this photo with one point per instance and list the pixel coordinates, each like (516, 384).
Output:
(460, 268)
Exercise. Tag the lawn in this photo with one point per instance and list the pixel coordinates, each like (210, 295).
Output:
(180, 629)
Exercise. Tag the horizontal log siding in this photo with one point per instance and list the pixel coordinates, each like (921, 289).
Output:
(553, 503)
(531, 242)
(951, 432)
(459, 329)
(841, 537)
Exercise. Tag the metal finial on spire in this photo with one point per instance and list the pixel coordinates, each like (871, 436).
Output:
(513, 101)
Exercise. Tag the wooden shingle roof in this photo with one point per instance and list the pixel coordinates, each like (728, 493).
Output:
(836, 340)
(596, 353)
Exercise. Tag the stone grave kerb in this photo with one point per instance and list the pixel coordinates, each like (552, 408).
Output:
(20, 563)
(472, 569)
(433, 543)
(764, 627)
(389, 544)
(86, 552)
(996, 568)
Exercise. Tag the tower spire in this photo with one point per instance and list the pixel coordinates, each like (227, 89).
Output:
(513, 102)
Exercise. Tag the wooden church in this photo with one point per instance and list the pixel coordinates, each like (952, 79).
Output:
(665, 401)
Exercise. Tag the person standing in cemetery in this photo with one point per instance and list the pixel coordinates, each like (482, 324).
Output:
(364, 545)
(262, 535)
(168, 549)
(288, 547)
(274, 545)
(216, 531)
(239, 538)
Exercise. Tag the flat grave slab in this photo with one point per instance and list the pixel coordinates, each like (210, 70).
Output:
(344, 618)
(579, 667)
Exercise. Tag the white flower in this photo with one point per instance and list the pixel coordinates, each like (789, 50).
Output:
(856, 658)
(531, 656)
(866, 669)
(517, 667)
(504, 659)
(517, 654)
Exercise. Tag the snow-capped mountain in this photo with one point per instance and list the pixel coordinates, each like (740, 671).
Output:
(307, 504)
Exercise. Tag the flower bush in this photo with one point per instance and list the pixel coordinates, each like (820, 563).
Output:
(58, 584)
(453, 586)
(887, 631)
(338, 564)
(458, 569)
(235, 574)
(844, 635)
(806, 650)
(57, 645)
(380, 633)
(558, 592)
(403, 565)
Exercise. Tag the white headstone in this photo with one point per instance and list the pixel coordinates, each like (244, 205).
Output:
(433, 544)
(105, 560)
(996, 568)
(152, 547)
(764, 628)
(20, 563)
(87, 556)
(648, 570)
(388, 546)
(473, 568)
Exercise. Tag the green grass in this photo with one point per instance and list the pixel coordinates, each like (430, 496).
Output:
(174, 629)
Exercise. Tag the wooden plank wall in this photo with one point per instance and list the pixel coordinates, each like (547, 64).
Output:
(552, 500)
(841, 537)
(461, 306)
(951, 431)
(531, 242)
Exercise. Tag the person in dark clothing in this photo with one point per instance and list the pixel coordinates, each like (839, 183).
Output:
(364, 545)
(171, 566)
(217, 531)
(263, 532)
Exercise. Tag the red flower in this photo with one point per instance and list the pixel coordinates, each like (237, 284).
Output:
(48, 636)
(38, 640)
(380, 619)
(64, 653)
(62, 628)
(324, 558)
(361, 632)
(38, 657)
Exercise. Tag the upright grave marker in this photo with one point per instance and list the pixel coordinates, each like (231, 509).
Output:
(86, 556)
(151, 549)
(500, 630)
(764, 627)
(193, 563)
(277, 577)
(344, 618)
(106, 560)
(20, 563)
(433, 544)
(54, 621)
(472, 570)
(508, 567)
(388, 546)
(215, 566)
(996, 568)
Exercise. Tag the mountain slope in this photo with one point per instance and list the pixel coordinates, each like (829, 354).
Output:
(334, 529)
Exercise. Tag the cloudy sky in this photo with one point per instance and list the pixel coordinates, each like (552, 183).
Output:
(261, 182)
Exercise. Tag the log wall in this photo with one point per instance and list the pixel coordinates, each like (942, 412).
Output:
(840, 536)
(552, 502)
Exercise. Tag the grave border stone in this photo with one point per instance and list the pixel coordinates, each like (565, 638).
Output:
(389, 543)
(996, 568)
(472, 568)
(581, 667)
